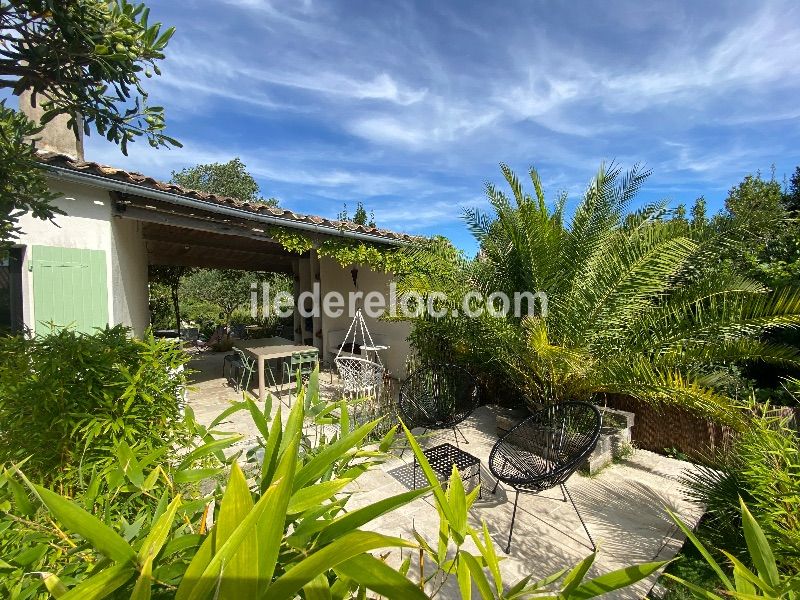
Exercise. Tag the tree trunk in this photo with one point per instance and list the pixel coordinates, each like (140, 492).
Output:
(176, 307)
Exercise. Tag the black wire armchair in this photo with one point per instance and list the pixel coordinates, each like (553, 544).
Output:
(544, 450)
(438, 397)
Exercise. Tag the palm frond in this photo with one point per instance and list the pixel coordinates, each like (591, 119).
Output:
(637, 304)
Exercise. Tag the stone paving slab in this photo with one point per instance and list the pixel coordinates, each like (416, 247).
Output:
(623, 506)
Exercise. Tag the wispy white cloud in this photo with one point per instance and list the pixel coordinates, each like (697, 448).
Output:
(299, 178)
(410, 107)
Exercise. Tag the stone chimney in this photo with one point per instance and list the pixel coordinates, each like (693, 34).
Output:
(56, 136)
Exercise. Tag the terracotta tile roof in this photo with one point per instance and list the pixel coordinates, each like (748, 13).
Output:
(113, 173)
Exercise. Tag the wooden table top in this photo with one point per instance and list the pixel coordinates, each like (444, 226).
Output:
(272, 347)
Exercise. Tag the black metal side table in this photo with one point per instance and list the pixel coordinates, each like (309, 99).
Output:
(443, 457)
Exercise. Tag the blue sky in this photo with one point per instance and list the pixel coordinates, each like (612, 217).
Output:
(409, 107)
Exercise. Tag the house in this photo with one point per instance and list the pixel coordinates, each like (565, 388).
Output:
(89, 268)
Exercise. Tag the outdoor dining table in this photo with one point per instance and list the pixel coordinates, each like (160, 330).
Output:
(270, 348)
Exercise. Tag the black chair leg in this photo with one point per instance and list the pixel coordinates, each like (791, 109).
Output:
(496, 483)
(456, 431)
(403, 451)
(586, 529)
(511, 529)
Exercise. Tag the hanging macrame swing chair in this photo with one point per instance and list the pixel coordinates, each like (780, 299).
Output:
(359, 376)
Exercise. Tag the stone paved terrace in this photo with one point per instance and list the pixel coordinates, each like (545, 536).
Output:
(624, 505)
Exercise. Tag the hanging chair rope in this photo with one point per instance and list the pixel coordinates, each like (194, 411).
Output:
(358, 325)
(359, 376)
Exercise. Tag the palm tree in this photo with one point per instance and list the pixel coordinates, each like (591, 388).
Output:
(637, 304)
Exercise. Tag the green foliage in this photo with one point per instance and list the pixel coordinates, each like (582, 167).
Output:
(360, 216)
(689, 565)
(792, 198)
(699, 217)
(68, 400)
(166, 278)
(226, 289)
(162, 311)
(757, 202)
(132, 493)
(379, 257)
(763, 580)
(223, 179)
(79, 58)
(767, 246)
(763, 467)
(291, 239)
(24, 187)
(635, 305)
(87, 58)
(280, 530)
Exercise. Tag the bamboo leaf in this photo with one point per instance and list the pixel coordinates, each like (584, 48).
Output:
(193, 475)
(294, 425)
(206, 582)
(362, 516)
(159, 531)
(238, 579)
(53, 584)
(144, 584)
(698, 591)
(478, 576)
(329, 557)
(492, 561)
(758, 546)
(259, 419)
(208, 448)
(457, 500)
(317, 589)
(743, 575)
(271, 446)
(314, 468)
(464, 580)
(723, 577)
(380, 577)
(105, 583)
(130, 466)
(272, 525)
(615, 580)
(441, 499)
(388, 439)
(309, 497)
(576, 575)
(196, 568)
(235, 407)
(77, 520)
(24, 505)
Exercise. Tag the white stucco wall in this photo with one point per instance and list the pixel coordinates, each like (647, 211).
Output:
(333, 277)
(89, 225)
(130, 296)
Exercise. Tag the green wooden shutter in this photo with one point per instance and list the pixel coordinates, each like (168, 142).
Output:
(69, 287)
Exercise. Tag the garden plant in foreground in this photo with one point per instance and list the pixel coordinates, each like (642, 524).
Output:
(280, 529)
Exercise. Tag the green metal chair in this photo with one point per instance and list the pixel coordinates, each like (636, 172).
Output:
(304, 362)
(246, 366)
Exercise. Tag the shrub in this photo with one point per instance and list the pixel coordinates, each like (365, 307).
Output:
(68, 399)
(763, 467)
